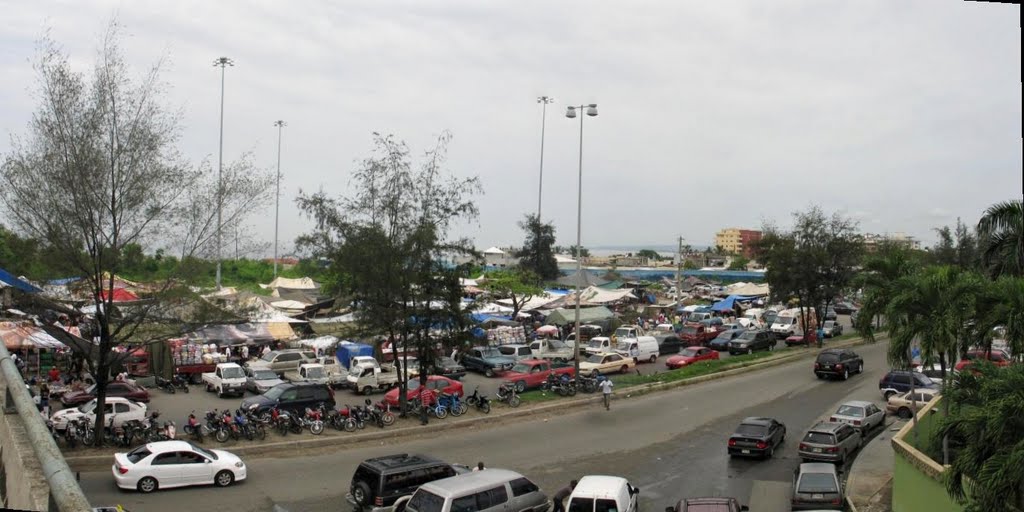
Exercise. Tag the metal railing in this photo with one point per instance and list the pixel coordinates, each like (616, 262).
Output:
(65, 493)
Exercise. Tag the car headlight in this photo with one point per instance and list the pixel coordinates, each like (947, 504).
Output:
(253, 406)
(239, 464)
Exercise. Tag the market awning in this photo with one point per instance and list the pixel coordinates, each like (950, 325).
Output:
(20, 336)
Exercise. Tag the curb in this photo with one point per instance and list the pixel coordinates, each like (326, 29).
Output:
(286, 448)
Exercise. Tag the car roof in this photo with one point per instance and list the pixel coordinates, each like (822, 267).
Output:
(599, 486)
(756, 420)
(858, 403)
(169, 446)
(817, 467)
(826, 426)
(709, 501)
(401, 461)
(694, 347)
(456, 485)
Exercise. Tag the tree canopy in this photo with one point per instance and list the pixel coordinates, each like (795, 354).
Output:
(537, 255)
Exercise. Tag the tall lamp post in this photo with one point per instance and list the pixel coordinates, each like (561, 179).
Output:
(223, 62)
(277, 198)
(591, 111)
(543, 100)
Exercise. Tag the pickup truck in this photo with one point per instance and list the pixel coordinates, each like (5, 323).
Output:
(697, 334)
(597, 345)
(531, 373)
(587, 331)
(310, 372)
(372, 378)
(227, 378)
(551, 349)
(337, 375)
(486, 360)
(281, 361)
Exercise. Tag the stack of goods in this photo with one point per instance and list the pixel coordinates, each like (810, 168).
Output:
(505, 335)
(184, 353)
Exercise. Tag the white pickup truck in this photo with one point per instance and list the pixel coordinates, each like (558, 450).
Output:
(368, 379)
(337, 375)
(309, 372)
(226, 379)
(551, 349)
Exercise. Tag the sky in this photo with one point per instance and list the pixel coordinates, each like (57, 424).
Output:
(902, 115)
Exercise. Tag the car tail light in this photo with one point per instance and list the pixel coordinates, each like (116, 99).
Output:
(816, 366)
(732, 442)
(761, 445)
(379, 501)
(832, 449)
(839, 367)
(833, 419)
(804, 446)
(856, 422)
(121, 469)
(835, 501)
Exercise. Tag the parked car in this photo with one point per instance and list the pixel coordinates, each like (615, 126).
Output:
(490, 490)
(120, 409)
(830, 313)
(903, 405)
(605, 363)
(861, 415)
(532, 373)
(697, 333)
(436, 382)
(844, 308)
(757, 437)
(284, 360)
(721, 342)
(169, 464)
(997, 357)
(832, 328)
(691, 355)
(838, 362)
(599, 493)
(516, 351)
(119, 389)
(816, 486)
(447, 367)
(710, 504)
(800, 339)
(750, 341)
(259, 381)
(292, 397)
(829, 442)
(898, 381)
(379, 481)
(668, 343)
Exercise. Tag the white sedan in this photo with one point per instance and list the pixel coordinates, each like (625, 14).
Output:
(861, 415)
(169, 464)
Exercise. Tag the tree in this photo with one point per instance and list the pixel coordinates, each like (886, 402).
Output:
(650, 254)
(537, 255)
(575, 251)
(877, 278)
(813, 263)
(958, 246)
(98, 175)
(985, 427)
(385, 246)
(1001, 238)
(739, 263)
(517, 285)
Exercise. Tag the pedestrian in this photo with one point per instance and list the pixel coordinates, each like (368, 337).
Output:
(562, 495)
(44, 399)
(479, 466)
(245, 352)
(606, 391)
(54, 374)
(266, 350)
(427, 399)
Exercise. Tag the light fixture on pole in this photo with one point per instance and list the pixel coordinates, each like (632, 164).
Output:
(223, 62)
(277, 196)
(543, 100)
(591, 111)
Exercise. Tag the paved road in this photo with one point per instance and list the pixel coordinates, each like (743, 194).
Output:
(669, 444)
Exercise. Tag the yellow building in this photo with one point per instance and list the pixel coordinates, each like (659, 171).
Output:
(737, 240)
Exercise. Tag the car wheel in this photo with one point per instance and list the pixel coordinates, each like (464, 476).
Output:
(489, 372)
(904, 413)
(770, 452)
(361, 494)
(147, 485)
(846, 374)
(654, 359)
(224, 478)
(624, 369)
(520, 386)
(888, 394)
(368, 390)
(860, 367)
(750, 351)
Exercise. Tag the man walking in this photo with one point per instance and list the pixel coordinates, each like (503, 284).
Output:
(562, 495)
(606, 390)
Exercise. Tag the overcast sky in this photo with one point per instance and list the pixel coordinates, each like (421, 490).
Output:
(905, 115)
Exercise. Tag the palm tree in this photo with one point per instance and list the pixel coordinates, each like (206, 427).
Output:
(1001, 305)
(879, 273)
(1001, 236)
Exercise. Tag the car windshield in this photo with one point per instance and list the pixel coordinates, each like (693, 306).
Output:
(748, 336)
(264, 375)
(88, 406)
(623, 346)
(270, 356)
(688, 352)
(817, 483)
(622, 332)
(138, 454)
(819, 438)
(233, 372)
(317, 372)
(203, 451)
(521, 368)
(689, 329)
(596, 358)
(595, 343)
(726, 336)
(274, 393)
(851, 410)
(830, 324)
(748, 429)
(490, 352)
(784, 320)
(424, 501)
(446, 361)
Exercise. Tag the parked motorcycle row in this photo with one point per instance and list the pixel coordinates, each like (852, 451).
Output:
(566, 386)
(80, 432)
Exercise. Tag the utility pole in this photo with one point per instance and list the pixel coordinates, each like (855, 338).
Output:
(679, 270)
(277, 196)
(223, 62)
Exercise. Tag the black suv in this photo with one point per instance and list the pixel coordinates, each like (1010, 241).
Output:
(898, 381)
(838, 362)
(292, 397)
(378, 482)
(750, 341)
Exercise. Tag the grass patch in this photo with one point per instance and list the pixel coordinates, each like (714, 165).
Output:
(537, 396)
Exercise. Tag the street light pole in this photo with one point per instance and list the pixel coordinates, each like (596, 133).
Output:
(544, 100)
(277, 201)
(571, 113)
(223, 62)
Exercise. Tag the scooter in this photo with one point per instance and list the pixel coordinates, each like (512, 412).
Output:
(165, 384)
(507, 394)
(193, 428)
(180, 382)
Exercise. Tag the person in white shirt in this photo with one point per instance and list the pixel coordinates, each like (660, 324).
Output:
(606, 391)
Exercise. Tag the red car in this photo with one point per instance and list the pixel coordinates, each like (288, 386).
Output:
(436, 382)
(998, 358)
(121, 389)
(690, 355)
(798, 339)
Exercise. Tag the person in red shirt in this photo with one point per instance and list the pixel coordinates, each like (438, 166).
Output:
(427, 397)
(54, 374)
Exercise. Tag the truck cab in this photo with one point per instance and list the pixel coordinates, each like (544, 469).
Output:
(226, 379)
(598, 345)
(368, 379)
(310, 372)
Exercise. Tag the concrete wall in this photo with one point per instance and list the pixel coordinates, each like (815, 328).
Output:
(24, 485)
(917, 480)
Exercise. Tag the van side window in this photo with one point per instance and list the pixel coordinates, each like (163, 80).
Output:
(498, 496)
(464, 504)
(521, 486)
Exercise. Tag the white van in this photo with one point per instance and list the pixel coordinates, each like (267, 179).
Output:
(642, 348)
(489, 490)
(597, 493)
(786, 323)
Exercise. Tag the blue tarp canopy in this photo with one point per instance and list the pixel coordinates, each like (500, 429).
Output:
(11, 280)
(729, 303)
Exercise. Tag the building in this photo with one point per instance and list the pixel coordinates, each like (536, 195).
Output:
(873, 240)
(738, 241)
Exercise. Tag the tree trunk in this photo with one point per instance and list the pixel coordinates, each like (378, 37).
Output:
(945, 409)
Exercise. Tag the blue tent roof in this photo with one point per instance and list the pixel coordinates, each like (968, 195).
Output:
(12, 281)
(729, 303)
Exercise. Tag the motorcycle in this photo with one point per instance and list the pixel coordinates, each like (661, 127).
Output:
(452, 404)
(564, 386)
(507, 393)
(481, 402)
(180, 381)
(313, 421)
(231, 427)
(387, 418)
(193, 428)
(353, 419)
(165, 385)
(281, 420)
(588, 384)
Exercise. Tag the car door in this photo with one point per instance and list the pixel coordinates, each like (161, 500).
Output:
(613, 362)
(164, 468)
(776, 430)
(288, 400)
(873, 416)
(845, 437)
(194, 469)
(121, 411)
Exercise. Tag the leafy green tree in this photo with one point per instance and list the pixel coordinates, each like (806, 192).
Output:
(537, 256)
(1001, 238)
(517, 285)
(578, 251)
(385, 246)
(957, 246)
(985, 428)
(650, 254)
(739, 263)
(877, 278)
